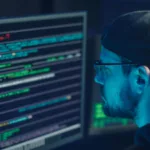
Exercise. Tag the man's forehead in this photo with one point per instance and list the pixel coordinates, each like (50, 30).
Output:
(108, 56)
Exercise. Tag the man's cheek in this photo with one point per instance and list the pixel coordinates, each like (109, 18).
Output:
(108, 90)
(112, 90)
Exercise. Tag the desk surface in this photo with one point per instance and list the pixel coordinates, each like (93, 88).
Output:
(116, 141)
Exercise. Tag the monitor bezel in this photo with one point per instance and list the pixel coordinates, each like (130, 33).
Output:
(58, 16)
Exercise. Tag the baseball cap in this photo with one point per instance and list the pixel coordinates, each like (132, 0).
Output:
(129, 36)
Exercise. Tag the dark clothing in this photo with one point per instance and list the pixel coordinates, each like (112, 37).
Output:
(129, 36)
(135, 147)
(142, 139)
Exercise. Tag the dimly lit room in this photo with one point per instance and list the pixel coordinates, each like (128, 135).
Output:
(94, 55)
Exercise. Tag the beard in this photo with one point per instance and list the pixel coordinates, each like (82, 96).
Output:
(128, 102)
(106, 110)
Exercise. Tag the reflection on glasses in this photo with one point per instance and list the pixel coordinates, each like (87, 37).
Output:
(100, 63)
(102, 70)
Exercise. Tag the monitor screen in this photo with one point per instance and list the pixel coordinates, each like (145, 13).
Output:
(42, 80)
(99, 123)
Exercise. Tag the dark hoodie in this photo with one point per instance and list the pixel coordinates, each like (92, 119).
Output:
(142, 139)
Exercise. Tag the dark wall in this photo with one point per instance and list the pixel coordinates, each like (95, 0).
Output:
(100, 12)
(93, 8)
(19, 7)
(112, 9)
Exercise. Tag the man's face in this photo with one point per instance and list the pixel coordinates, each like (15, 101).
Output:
(116, 92)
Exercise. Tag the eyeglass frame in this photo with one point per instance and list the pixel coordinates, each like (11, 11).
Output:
(99, 63)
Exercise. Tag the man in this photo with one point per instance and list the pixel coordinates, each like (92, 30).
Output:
(123, 72)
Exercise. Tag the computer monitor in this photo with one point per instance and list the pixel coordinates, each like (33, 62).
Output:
(99, 123)
(42, 62)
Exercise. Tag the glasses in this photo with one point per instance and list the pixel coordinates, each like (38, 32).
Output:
(102, 70)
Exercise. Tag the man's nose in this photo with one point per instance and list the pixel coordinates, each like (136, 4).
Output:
(99, 78)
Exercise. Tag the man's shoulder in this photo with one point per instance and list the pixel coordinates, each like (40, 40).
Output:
(141, 139)
(135, 147)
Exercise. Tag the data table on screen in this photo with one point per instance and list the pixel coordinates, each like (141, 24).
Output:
(41, 77)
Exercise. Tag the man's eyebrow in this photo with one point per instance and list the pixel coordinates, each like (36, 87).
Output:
(102, 61)
(110, 62)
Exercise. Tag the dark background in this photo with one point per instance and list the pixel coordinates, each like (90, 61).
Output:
(100, 13)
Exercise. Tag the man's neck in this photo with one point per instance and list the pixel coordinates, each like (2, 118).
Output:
(143, 111)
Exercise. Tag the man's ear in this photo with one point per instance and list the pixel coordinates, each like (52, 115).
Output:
(140, 79)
